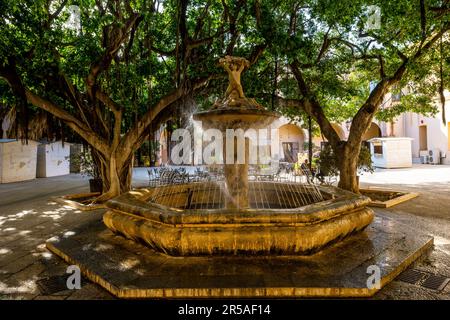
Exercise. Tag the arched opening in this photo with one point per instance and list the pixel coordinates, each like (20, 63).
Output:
(373, 132)
(291, 139)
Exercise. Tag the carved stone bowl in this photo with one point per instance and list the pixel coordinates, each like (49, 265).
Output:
(179, 231)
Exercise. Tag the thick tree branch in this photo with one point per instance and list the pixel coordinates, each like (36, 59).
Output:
(131, 139)
(423, 20)
(325, 45)
(55, 14)
(108, 102)
(85, 132)
(365, 114)
(113, 39)
(313, 108)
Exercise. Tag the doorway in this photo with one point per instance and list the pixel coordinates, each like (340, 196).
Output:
(290, 151)
(423, 145)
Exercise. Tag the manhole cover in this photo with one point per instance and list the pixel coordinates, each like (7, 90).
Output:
(52, 285)
(435, 282)
(411, 276)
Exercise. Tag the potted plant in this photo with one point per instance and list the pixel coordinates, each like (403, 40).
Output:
(88, 168)
(364, 162)
(328, 164)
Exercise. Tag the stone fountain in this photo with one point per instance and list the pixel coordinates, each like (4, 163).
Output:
(170, 219)
(239, 236)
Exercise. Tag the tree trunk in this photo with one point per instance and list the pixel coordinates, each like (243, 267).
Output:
(116, 178)
(348, 166)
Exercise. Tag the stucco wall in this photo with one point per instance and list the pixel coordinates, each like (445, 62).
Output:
(53, 159)
(17, 161)
(396, 153)
(437, 133)
(287, 132)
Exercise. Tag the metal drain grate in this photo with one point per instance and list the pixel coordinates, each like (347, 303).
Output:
(411, 276)
(52, 285)
(435, 282)
(424, 279)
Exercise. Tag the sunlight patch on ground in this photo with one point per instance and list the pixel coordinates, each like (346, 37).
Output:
(128, 264)
(46, 255)
(103, 247)
(22, 214)
(28, 286)
(4, 251)
(68, 234)
(58, 213)
(53, 239)
(410, 176)
(442, 244)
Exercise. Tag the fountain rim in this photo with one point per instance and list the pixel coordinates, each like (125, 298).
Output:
(134, 203)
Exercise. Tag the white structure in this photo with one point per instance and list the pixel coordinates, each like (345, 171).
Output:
(53, 159)
(431, 136)
(391, 152)
(17, 160)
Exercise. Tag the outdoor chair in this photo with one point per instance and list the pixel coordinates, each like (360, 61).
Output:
(153, 177)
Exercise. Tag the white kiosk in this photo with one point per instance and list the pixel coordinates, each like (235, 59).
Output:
(17, 160)
(53, 159)
(391, 152)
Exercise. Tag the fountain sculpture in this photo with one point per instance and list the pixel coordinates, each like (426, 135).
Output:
(234, 213)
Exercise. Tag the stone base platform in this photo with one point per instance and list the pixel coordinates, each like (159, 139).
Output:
(130, 270)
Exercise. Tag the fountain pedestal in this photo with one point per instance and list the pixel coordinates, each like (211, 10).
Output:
(236, 180)
(234, 112)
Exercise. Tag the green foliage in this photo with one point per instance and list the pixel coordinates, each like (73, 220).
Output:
(328, 161)
(86, 163)
(144, 72)
(340, 78)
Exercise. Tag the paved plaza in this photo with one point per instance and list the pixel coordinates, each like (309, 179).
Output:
(29, 216)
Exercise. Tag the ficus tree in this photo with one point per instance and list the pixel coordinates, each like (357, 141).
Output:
(332, 53)
(109, 69)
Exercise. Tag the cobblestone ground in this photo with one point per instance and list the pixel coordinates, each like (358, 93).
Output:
(28, 217)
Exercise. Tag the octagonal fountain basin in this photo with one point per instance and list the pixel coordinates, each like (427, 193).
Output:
(191, 218)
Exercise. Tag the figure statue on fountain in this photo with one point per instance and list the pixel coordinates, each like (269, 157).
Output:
(234, 96)
(234, 66)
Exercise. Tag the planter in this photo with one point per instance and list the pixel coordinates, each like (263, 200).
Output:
(96, 185)
(387, 198)
(81, 201)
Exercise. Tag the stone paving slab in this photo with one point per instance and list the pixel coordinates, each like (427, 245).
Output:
(130, 270)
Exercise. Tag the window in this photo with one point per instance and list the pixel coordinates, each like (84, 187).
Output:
(378, 149)
(423, 138)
